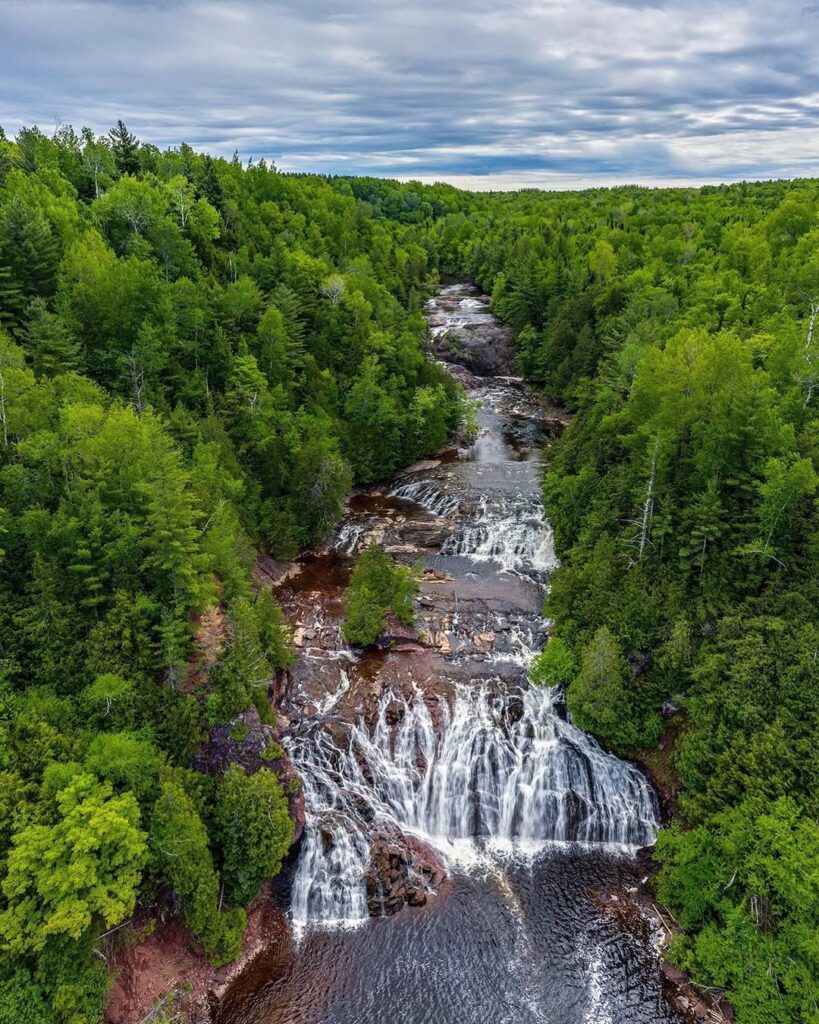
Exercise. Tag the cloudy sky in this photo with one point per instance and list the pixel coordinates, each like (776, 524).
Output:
(483, 93)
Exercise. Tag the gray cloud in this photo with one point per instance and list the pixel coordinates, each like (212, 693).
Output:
(490, 93)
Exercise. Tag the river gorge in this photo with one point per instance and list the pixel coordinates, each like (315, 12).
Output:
(466, 849)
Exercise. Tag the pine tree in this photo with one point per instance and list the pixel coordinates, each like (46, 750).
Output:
(255, 830)
(9, 296)
(125, 147)
(210, 187)
(180, 847)
(48, 343)
(28, 249)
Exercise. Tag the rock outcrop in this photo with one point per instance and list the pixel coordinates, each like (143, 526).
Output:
(403, 872)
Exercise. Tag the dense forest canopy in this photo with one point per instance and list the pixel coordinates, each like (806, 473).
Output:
(198, 359)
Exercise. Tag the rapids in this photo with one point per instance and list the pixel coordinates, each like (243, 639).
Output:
(440, 743)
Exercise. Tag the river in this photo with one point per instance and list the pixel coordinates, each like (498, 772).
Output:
(467, 850)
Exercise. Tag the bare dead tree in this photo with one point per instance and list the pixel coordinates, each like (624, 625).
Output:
(136, 376)
(811, 378)
(333, 289)
(182, 200)
(642, 538)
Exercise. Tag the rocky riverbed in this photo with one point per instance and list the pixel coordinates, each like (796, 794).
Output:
(463, 843)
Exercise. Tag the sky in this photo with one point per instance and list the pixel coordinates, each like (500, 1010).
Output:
(488, 94)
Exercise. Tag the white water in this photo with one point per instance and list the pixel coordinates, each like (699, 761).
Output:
(505, 772)
(349, 537)
(429, 496)
(495, 770)
(511, 532)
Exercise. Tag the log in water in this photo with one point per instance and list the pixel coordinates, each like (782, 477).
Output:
(434, 757)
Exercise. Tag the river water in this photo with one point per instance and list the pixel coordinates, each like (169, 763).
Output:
(465, 845)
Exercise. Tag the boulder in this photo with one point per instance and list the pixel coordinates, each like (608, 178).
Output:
(403, 872)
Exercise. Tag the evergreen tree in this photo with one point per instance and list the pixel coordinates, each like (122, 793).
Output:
(29, 251)
(47, 341)
(125, 149)
(255, 830)
(179, 843)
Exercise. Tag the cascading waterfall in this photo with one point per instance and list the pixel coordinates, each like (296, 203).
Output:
(494, 768)
(349, 536)
(429, 496)
(500, 768)
(511, 532)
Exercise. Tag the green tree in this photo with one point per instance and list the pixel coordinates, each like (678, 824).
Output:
(373, 428)
(376, 587)
(83, 868)
(110, 700)
(128, 762)
(28, 250)
(125, 148)
(598, 697)
(255, 830)
(50, 346)
(321, 480)
(555, 665)
(179, 843)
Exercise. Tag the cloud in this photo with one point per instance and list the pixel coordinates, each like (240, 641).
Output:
(493, 93)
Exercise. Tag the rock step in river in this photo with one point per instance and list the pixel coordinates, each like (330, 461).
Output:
(437, 781)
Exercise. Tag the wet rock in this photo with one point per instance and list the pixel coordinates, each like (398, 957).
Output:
(420, 539)
(514, 708)
(483, 345)
(484, 641)
(396, 632)
(394, 712)
(403, 872)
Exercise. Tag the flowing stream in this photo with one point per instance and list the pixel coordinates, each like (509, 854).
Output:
(436, 776)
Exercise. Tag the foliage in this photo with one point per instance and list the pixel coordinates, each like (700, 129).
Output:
(678, 326)
(83, 866)
(598, 696)
(197, 360)
(376, 587)
(179, 842)
(255, 830)
(554, 666)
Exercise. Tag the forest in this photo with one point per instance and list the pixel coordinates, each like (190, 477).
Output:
(200, 357)
(197, 360)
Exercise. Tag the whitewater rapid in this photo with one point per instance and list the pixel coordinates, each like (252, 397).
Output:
(491, 766)
(465, 844)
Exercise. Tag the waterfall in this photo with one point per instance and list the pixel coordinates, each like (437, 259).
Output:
(426, 494)
(501, 769)
(329, 883)
(349, 536)
(492, 769)
(511, 532)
